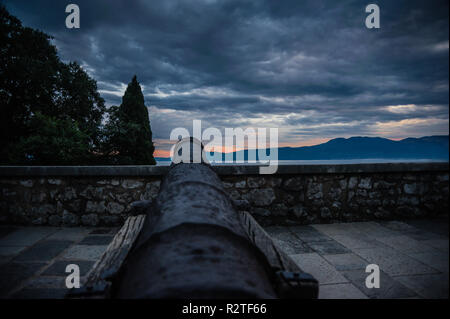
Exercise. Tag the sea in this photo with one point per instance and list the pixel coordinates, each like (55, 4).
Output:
(323, 162)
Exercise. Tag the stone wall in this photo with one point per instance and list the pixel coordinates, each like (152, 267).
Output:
(299, 194)
(72, 201)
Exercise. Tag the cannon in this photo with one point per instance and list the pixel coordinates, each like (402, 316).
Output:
(195, 244)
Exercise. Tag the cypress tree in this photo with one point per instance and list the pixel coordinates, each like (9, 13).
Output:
(135, 145)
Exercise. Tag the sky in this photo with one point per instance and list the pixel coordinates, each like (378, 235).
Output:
(310, 68)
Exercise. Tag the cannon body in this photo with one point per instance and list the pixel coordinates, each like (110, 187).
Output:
(193, 245)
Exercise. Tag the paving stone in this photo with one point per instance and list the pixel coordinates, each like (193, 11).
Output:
(276, 230)
(13, 273)
(84, 252)
(333, 229)
(308, 234)
(347, 261)
(356, 240)
(70, 233)
(421, 235)
(292, 248)
(103, 231)
(5, 259)
(46, 282)
(27, 236)
(437, 226)
(96, 240)
(405, 244)
(393, 262)
(58, 268)
(428, 286)
(358, 229)
(11, 250)
(340, 291)
(43, 293)
(6, 230)
(328, 247)
(289, 242)
(44, 250)
(439, 244)
(372, 230)
(397, 225)
(436, 260)
(318, 267)
(389, 288)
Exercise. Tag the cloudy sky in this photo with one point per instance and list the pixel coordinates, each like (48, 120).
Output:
(310, 68)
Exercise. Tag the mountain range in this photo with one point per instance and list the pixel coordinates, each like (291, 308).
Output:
(428, 147)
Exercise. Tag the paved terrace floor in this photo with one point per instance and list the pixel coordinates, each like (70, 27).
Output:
(412, 256)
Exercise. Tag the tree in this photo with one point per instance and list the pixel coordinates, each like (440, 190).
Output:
(28, 63)
(79, 100)
(128, 132)
(33, 80)
(51, 141)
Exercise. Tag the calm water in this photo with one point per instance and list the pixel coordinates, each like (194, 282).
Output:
(319, 162)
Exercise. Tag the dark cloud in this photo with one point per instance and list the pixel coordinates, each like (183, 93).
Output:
(308, 67)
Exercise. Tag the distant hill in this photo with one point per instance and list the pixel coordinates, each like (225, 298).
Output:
(428, 147)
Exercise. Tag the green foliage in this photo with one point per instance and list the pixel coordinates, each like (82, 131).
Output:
(78, 99)
(28, 63)
(52, 141)
(34, 81)
(128, 133)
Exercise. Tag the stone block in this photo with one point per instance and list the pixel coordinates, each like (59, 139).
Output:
(27, 236)
(240, 184)
(44, 251)
(389, 287)
(84, 252)
(294, 183)
(8, 251)
(13, 273)
(95, 207)
(328, 247)
(435, 259)
(427, 286)
(89, 220)
(405, 244)
(96, 240)
(340, 291)
(365, 183)
(115, 208)
(70, 233)
(346, 261)
(261, 197)
(393, 262)
(70, 219)
(131, 184)
(27, 183)
(58, 268)
(308, 234)
(318, 267)
(256, 182)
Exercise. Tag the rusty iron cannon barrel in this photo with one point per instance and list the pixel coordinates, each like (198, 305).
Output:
(192, 245)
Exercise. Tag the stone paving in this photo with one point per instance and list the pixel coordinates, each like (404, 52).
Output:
(412, 256)
(33, 260)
